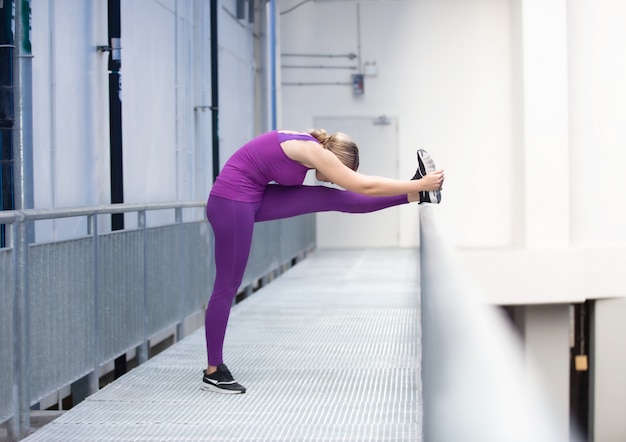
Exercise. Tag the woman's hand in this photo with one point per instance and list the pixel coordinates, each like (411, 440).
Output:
(432, 181)
(429, 182)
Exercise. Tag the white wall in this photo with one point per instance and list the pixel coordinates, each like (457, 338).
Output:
(166, 94)
(444, 72)
(236, 76)
(597, 94)
(520, 101)
(166, 88)
(70, 109)
(151, 88)
(455, 73)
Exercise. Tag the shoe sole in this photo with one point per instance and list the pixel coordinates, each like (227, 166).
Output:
(215, 389)
(419, 174)
(428, 165)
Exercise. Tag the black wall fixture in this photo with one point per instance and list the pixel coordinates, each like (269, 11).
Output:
(7, 116)
(115, 111)
(214, 92)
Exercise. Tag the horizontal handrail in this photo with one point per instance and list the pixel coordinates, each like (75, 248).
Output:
(12, 216)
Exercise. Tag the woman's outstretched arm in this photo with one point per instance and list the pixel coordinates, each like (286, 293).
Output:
(312, 155)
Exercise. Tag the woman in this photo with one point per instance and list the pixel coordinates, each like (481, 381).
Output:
(243, 194)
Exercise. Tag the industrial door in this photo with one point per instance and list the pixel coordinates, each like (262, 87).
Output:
(377, 138)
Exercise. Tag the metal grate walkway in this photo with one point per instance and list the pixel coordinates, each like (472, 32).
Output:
(329, 351)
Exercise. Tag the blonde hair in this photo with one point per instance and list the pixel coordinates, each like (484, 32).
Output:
(341, 145)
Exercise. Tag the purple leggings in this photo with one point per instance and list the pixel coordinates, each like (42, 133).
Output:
(233, 223)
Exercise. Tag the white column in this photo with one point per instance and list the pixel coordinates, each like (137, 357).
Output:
(545, 122)
(545, 331)
(608, 377)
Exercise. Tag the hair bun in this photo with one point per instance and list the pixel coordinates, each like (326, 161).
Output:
(320, 135)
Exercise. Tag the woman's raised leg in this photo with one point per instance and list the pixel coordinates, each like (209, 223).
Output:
(287, 201)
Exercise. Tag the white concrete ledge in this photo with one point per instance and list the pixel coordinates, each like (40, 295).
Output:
(517, 277)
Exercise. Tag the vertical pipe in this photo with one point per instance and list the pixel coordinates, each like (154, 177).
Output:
(177, 143)
(190, 94)
(358, 37)
(6, 112)
(115, 109)
(53, 101)
(272, 20)
(23, 102)
(214, 91)
(259, 67)
(202, 168)
(24, 199)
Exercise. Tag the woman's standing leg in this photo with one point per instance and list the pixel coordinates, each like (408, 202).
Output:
(232, 223)
(287, 201)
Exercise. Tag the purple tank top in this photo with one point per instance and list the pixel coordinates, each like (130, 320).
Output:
(259, 162)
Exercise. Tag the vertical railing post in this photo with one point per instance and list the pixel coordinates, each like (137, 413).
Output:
(142, 350)
(24, 199)
(20, 423)
(13, 425)
(180, 326)
(97, 332)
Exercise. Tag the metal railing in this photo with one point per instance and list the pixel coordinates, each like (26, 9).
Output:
(68, 307)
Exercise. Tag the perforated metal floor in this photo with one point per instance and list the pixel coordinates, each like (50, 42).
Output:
(329, 351)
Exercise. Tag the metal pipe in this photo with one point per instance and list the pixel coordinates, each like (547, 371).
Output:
(18, 427)
(11, 216)
(24, 198)
(53, 101)
(272, 65)
(358, 33)
(23, 104)
(351, 56)
(292, 66)
(143, 348)
(190, 91)
(180, 326)
(319, 83)
(214, 91)
(177, 116)
(93, 378)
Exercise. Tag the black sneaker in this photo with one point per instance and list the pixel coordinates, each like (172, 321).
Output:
(425, 165)
(221, 382)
